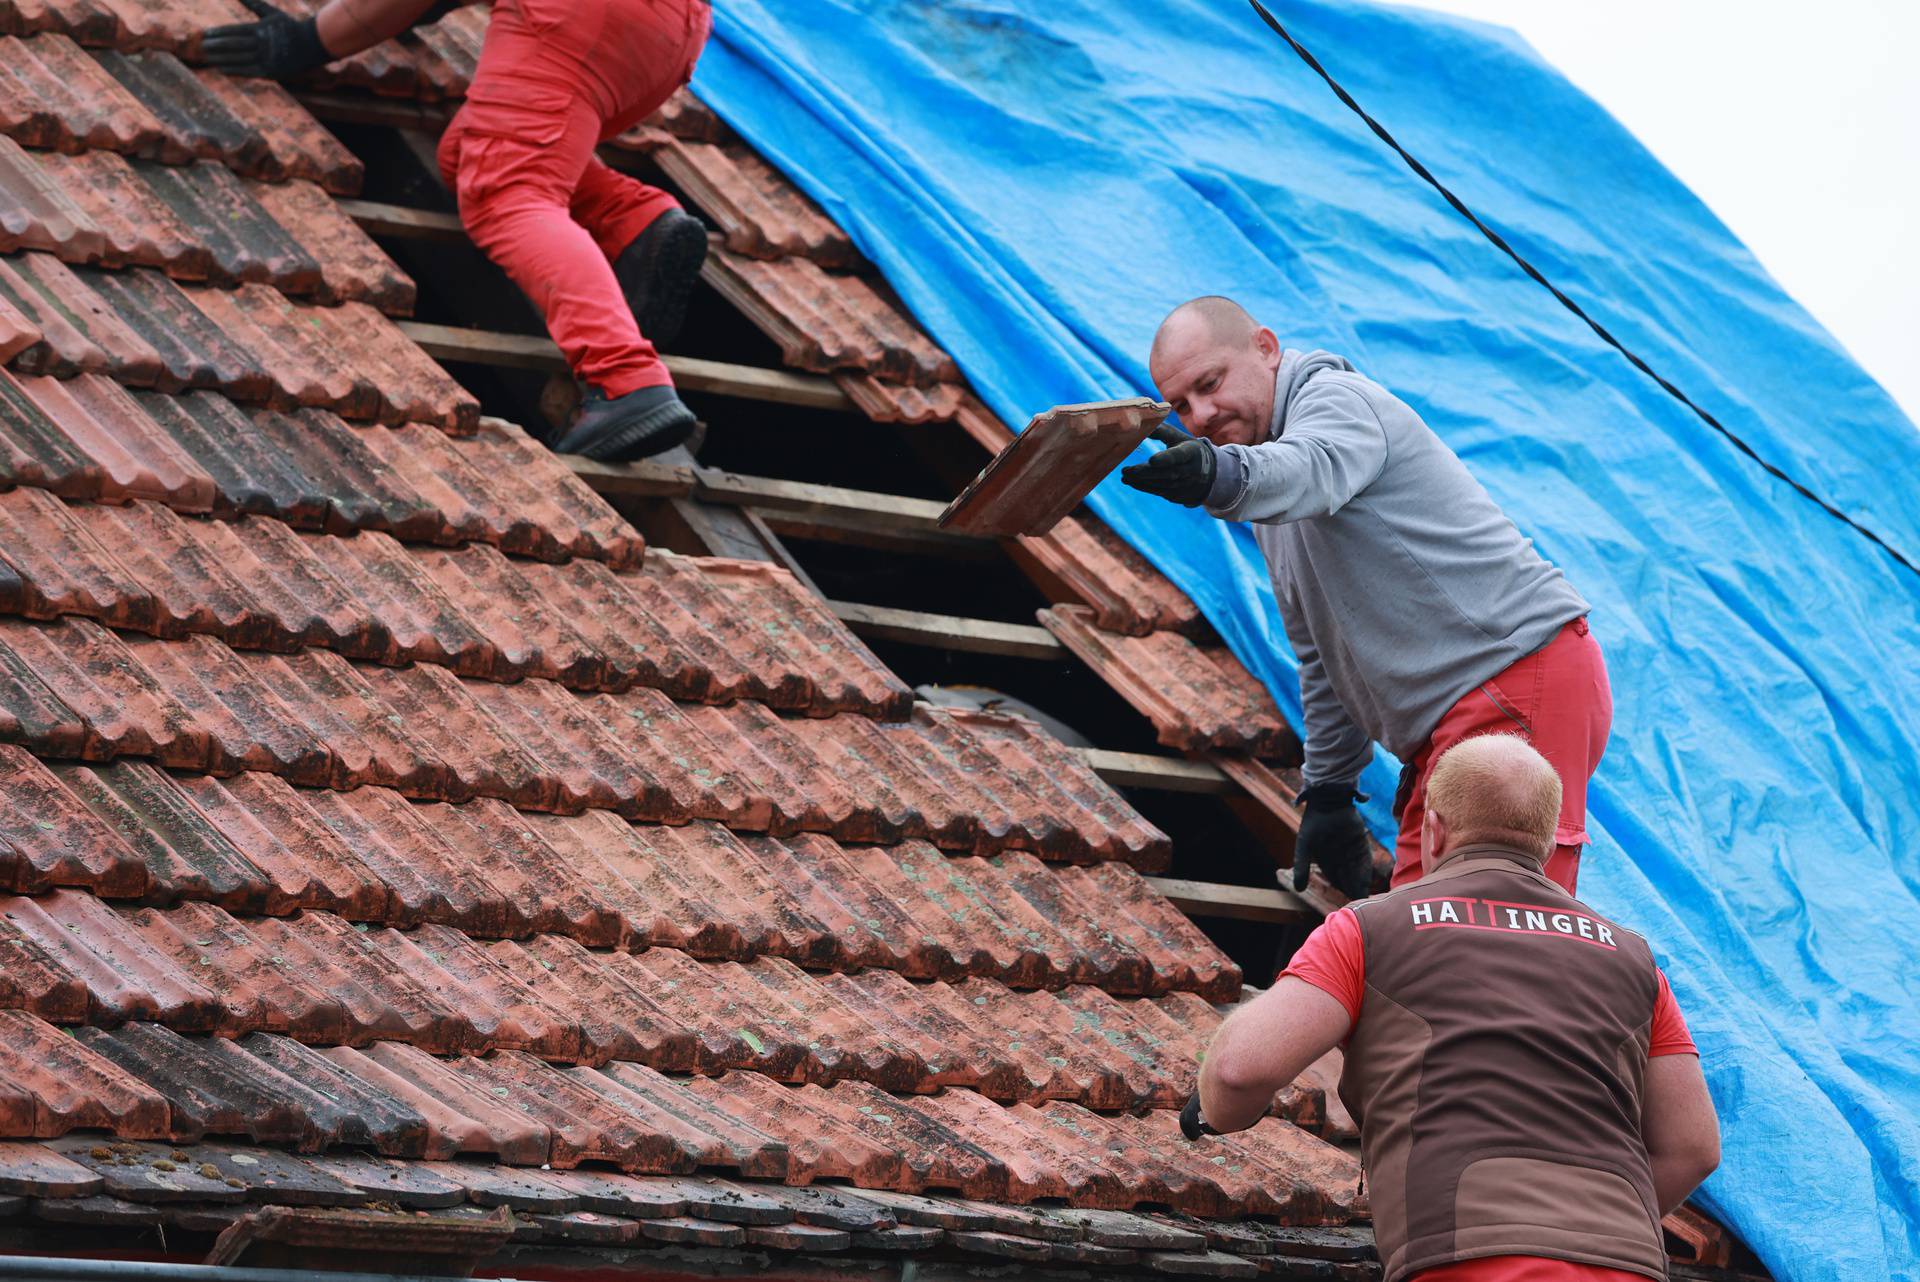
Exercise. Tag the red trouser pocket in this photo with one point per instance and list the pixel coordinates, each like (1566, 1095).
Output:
(1558, 699)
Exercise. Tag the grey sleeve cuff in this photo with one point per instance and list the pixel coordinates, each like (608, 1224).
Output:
(1229, 477)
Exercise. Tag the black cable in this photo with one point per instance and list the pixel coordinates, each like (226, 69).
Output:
(1500, 243)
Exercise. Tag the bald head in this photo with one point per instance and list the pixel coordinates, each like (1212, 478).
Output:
(1213, 318)
(1494, 788)
(1216, 366)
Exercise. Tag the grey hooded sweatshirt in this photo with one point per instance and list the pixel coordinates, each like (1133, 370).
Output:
(1401, 584)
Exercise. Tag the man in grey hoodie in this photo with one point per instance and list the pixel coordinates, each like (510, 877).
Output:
(1419, 614)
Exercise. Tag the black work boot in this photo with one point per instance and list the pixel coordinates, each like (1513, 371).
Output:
(619, 429)
(657, 271)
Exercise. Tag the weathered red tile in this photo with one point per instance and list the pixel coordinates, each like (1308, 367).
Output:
(405, 1184)
(30, 712)
(133, 225)
(36, 977)
(380, 1000)
(194, 121)
(237, 723)
(538, 886)
(34, 451)
(825, 322)
(1080, 559)
(1045, 472)
(367, 737)
(555, 514)
(306, 367)
(408, 618)
(296, 145)
(213, 1086)
(58, 567)
(17, 331)
(761, 214)
(409, 385)
(194, 352)
(302, 861)
(137, 460)
(1104, 824)
(351, 265)
(194, 587)
(1182, 956)
(468, 1118)
(820, 1146)
(290, 599)
(427, 877)
(484, 756)
(1198, 698)
(525, 635)
(960, 918)
(360, 489)
(571, 759)
(53, 95)
(261, 990)
(886, 402)
(245, 241)
(503, 1011)
(670, 1112)
(80, 333)
(49, 838)
(842, 671)
(36, 212)
(691, 775)
(932, 1154)
(124, 710)
(34, 1170)
(126, 977)
(586, 1124)
(150, 811)
(607, 1000)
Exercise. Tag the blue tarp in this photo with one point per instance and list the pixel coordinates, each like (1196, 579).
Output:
(1042, 181)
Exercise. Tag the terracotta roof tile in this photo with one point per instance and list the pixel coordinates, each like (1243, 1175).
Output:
(51, 1084)
(136, 459)
(1198, 697)
(1041, 475)
(194, 351)
(537, 746)
(760, 213)
(250, 342)
(17, 331)
(1095, 566)
(826, 322)
(80, 332)
(37, 213)
(351, 265)
(52, 94)
(887, 402)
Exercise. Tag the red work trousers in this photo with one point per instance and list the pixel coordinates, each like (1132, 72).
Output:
(1559, 699)
(556, 78)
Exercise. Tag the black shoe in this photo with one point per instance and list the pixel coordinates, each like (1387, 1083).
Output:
(623, 428)
(657, 271)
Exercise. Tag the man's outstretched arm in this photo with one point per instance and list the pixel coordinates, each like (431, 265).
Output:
(281, 46)
(1679, 1126)
(1265, 1045)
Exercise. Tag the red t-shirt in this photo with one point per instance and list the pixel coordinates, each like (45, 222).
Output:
(1334, 960)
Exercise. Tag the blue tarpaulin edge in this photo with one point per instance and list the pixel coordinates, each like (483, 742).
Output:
(1041, 183)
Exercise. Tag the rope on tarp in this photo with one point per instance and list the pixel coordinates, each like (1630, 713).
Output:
(1500, 243)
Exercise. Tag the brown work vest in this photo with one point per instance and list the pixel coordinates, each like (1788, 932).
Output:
(1496, 1070)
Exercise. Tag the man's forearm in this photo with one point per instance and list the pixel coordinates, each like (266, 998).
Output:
(1675, 1177)
(348, 26)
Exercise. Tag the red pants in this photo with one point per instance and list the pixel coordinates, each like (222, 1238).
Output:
(556, 78)
(1559, 699)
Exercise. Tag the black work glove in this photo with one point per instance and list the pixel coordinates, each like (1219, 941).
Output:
(1333, 835)
(1192, 1125)
(279, 46)
(1182, 474)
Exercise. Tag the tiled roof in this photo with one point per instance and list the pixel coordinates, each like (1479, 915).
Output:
(371, 794)
(1199, 697)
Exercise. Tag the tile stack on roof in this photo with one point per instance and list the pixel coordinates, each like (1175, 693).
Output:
(369, 790)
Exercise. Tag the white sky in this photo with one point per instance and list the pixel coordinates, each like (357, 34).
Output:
(1797, 121)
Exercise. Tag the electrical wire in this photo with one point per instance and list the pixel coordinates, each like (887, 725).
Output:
(1500, 243)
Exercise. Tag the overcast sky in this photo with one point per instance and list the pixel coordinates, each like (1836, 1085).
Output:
(1798, 123)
